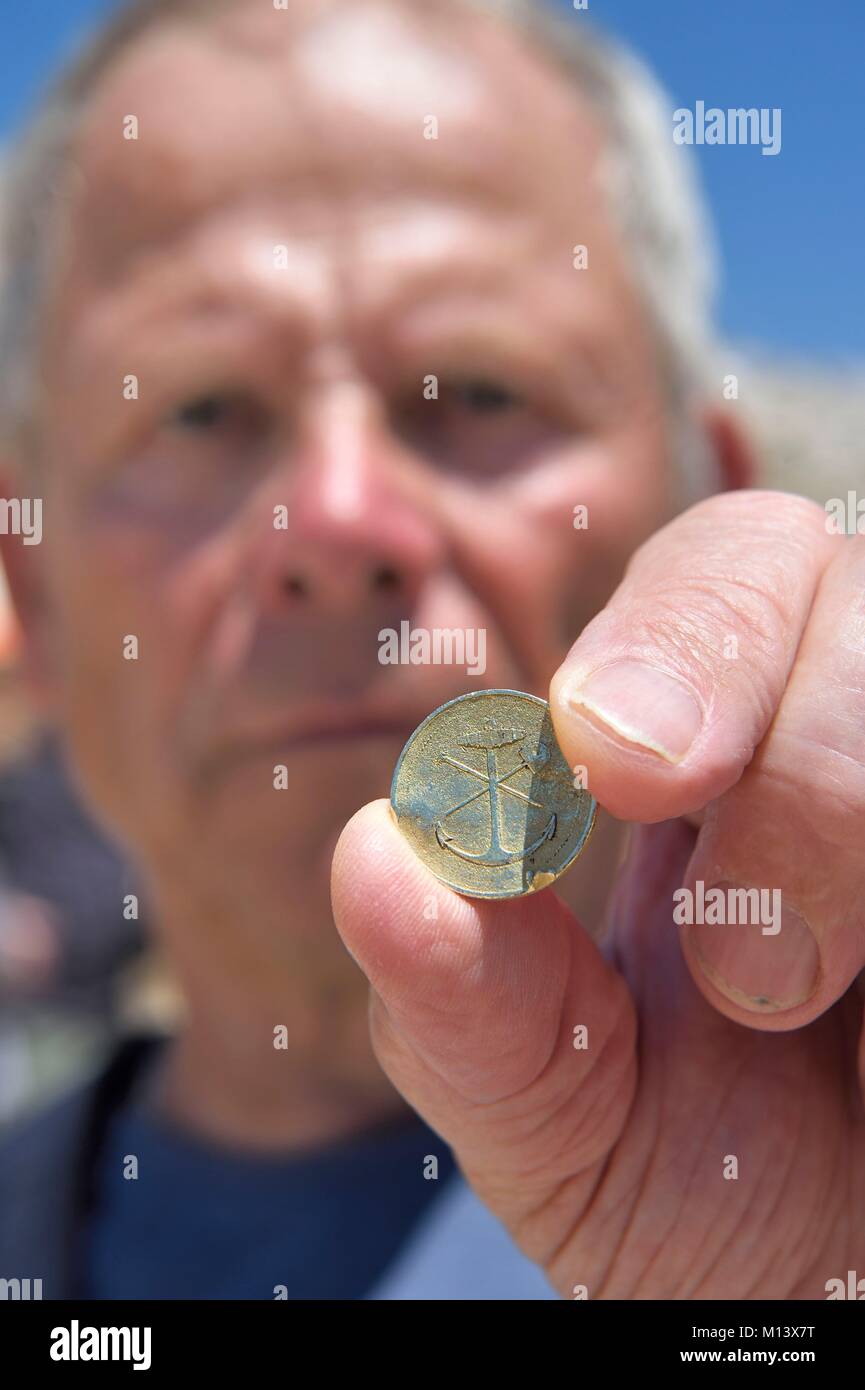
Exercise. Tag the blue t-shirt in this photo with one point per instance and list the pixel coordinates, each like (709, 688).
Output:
(208, 1223)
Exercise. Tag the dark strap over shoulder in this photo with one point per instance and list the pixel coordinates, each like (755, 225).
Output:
(47, 1172)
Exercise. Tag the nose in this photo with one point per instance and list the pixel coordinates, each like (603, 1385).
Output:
(354, 527)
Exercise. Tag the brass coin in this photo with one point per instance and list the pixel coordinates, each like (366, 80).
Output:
(484, 796)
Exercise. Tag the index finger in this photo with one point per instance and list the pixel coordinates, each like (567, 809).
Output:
(668, 691)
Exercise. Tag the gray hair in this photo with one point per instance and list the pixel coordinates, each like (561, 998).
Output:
(650, 183)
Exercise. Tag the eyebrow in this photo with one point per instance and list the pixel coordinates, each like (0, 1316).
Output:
(175, 286)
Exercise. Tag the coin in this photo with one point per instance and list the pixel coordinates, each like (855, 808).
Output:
(485, 798)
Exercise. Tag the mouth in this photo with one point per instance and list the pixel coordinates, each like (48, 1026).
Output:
(351, 731)
(317, 730)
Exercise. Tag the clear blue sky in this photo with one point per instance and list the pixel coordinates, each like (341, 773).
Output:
(792, 227)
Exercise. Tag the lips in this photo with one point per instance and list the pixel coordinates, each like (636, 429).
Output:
(318, 728)
(324, 732)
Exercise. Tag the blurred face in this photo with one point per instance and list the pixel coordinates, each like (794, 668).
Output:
(250, 470)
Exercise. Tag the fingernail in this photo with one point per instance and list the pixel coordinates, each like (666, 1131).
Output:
(761, 972)
(642, 705)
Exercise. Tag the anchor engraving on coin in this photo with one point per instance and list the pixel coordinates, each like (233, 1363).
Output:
(484, 796)
(495, 853)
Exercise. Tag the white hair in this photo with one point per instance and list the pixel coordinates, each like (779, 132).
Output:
(649, 180)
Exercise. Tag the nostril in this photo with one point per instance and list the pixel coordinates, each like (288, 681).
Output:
(386, 579)
(296, 586)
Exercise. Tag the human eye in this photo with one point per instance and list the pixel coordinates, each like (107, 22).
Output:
(215, 414)
(483, 396)
(476, 423)
(198, 454)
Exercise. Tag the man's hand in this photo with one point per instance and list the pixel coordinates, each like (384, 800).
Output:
(709, 1139)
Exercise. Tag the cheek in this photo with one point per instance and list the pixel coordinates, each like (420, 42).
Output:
(582, 518)
(515, 549)
(118, 583)
(113, 638)
(100, 688)
(105, 610)
(614, 494)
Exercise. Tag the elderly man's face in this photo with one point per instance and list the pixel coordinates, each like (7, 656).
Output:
(282, 260)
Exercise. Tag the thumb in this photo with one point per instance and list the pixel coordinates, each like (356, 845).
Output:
(499, 1021)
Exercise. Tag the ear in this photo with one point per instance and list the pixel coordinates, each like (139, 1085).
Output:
(29, 627)
(734, 455)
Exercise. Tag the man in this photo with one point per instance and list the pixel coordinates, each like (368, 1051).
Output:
(340, 313)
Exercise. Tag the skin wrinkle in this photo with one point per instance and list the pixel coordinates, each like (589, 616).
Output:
(834, 809)
(735, 1230)
(838, 1025)
(727, 1245)
(635, 1212)
(615, 1157)
(702, 522)
(812, 1273)
(780, 1188)
(611, 1086)
(515, 1096)
(762, 621)
(555, 1256)
(660, 1244)
(722, 614)
(624, 1077)
(851, 1175)
(554, 1198)
(475, 1101)
(821, 815)
(241, 958)
(831, 1204)
(646, 1172)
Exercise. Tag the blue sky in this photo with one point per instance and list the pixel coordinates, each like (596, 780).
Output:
(791, 227)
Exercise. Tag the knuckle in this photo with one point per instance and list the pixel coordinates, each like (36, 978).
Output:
(764, 531)
(788, 513)
(752, 577)
(692, 625)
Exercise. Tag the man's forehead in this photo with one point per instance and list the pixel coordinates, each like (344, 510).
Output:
(341, 100)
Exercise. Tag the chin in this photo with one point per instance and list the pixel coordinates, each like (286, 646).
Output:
(291, 830)
(307, 786)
